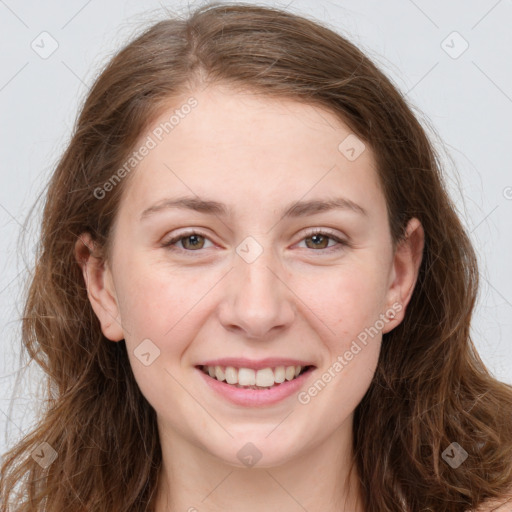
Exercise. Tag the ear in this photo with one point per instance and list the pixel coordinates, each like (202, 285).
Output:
(404, 273)
(100, 287)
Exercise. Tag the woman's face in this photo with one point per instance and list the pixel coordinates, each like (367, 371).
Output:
(282, 257)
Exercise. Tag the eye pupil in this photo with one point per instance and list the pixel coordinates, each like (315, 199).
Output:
(195, 242)
(318, 240)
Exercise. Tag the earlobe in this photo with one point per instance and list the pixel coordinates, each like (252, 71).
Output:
(406, 264)
(100, 287)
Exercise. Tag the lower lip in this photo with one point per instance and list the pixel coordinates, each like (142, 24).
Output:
(256, 397)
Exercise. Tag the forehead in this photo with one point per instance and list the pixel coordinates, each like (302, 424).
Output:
(252, 149)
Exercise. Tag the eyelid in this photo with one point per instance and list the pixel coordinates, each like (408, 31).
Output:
(340, 241)
(184, 234)
(329, 233)
(322, 231)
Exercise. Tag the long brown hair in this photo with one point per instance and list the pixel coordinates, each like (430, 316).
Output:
(430, 388)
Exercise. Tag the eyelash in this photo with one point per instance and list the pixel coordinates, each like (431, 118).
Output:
(341, 244)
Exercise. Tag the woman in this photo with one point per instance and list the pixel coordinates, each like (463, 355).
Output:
(252, 284)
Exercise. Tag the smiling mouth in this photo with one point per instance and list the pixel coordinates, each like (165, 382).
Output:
(248, 378)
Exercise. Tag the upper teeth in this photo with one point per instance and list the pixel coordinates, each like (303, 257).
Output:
(265, 377)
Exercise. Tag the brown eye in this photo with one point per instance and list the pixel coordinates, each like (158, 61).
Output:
(196, 242)
(190, 242)
(319, 241)
(323, 241)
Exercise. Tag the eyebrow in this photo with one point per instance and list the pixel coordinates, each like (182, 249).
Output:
(295, 209)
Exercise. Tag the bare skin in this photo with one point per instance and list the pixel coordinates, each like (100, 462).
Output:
(305, 296)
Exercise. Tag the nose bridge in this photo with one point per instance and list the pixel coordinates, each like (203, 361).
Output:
(257, 300)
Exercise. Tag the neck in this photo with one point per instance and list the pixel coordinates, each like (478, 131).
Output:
(317, 478)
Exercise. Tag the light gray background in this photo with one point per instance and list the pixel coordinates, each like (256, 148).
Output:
(465, 99)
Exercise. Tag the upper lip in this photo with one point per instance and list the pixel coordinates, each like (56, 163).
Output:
(241, 362)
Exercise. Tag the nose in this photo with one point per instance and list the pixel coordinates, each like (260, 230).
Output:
(257, 300)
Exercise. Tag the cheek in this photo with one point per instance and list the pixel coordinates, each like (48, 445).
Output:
(153, 301)
(346, 299)
(349, 306)
(158, 321)
(145, 307)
